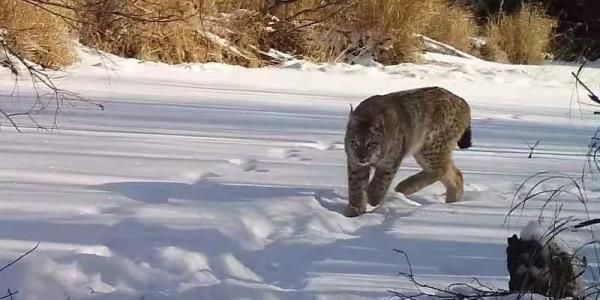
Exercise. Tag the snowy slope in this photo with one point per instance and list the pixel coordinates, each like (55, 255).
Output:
(219, 182)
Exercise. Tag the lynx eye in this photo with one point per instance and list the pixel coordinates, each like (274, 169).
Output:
(371, 145)
(354, 144)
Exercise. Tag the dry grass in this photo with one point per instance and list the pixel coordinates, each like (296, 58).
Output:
(453, 25)
(392, 24)
(385, 28)
(174, 42)
(212, 6)
(36, 35)
(524, 37)
(189, 38)
(236, 32)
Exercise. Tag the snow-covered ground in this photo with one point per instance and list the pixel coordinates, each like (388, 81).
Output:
(209, 181)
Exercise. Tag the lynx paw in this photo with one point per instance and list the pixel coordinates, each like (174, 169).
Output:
(352, 211)
(453, 197)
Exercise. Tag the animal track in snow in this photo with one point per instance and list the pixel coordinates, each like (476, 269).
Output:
(194, 176)
(248, 165)
(294, 154)
(323, 146)
(291, 154)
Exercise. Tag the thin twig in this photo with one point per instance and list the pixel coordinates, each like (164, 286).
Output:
(476, 291)
(532, 148)
(20, 257)
(38, 77)
(315, 9)
(327, 17)
(591, 94)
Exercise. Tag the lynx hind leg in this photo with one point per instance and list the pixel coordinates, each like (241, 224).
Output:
(432, 164)
(437, 165)
(417, 182)
(453, 181)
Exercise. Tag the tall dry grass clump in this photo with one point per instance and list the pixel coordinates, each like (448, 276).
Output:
(392, 24)
(212, 6)
(388, 29)
(36, 35)
(454, 25)
(140, 30)
(341, 30)
(240, 32)
(170, 42)
(523, 38)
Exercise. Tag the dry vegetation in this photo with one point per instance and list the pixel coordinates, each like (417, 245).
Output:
(394, 23)
(35, 34)
(523, 38)
(453, 25)
(240, 32)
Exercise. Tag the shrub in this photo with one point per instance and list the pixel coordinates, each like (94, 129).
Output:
(454, 25)
(525, 36)
(36, 35)
(187, 37)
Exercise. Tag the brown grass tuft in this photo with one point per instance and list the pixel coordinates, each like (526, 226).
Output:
(523, 37)
(392, 23)
(173, 42)
(189, 37)
(453, 25)
(238, 32)
(386, 28)
(36, 35)
(232, 5)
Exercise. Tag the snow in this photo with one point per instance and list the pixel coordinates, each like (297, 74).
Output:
(533, 231)
(209, 181)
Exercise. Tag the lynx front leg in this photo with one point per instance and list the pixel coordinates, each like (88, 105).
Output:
(381, 182)
(358, 180)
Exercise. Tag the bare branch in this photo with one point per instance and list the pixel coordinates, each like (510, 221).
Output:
(591, 94)
(147, 17)
(20, 257)
(10, 119)
(327, 17)
(452, 291)
(322, 5)
(9, 293)
(532, 148)
(39, 79)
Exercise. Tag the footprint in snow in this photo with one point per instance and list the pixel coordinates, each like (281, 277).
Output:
(294, 154)
(289, 154)
(248, 165)
(323, 146)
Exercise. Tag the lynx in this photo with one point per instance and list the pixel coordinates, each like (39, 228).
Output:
(427, 123)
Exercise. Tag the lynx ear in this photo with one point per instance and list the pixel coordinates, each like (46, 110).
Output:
(351, 117)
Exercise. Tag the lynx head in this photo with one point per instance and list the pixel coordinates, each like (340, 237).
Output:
(364, 138)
